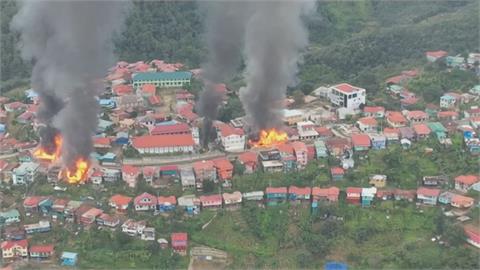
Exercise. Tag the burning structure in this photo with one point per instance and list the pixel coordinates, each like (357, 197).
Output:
(69, 59)
(271, 35)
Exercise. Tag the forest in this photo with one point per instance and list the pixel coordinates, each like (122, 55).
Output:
(361, 41)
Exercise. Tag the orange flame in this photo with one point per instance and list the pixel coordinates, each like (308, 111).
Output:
(44, 154)
(78, 174)
(270, 137)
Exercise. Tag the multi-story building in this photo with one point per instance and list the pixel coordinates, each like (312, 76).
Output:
(347, 96)
(162, 79)
(25, 173)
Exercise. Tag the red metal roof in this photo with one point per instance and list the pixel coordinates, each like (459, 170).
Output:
(223, 164)
(217, 198)
(421, 129)
(467, 179)
(447, 114)
(179, 237)
(203, 165)
(33, 201)
(396, 117)
(276, 190)
(436, 54)
(130, 170)
(171, 129)
(123, 89)
(430, 192)
(42, 248)
(346, 88)
(417, 115)
(368, 121)
(227, 130)
(373, 109)
(149, 89)
(354, 190)
(337, 170)
(169, 168)
(362, 140)
(331, 191)
(151, 141)
(167, 200)
(138, 199)
(101, 141)
(299, 191)
(9, 244)
(120, 200)
(248, 157)
(299, 146)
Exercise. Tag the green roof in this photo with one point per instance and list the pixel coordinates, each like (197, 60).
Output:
(436, 127)
(160, 76)
(9, 214)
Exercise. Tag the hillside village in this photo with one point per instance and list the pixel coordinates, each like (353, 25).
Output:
(149, 159)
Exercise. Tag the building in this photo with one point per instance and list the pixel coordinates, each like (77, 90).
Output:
(292, 117)
(448, 101)
(473, 235)
(130, 175)
(301, 153)
(378, 180)
(253, 196)
(428, 195)
(275, 195)
(367, 124)
(232, 200)
(42, 252)
(368, 194)
(249, 160)
(347, 96)
(164, 144)
(224, 169)
(374, 111)
(232, 139)
(127, 102)
(211, 201)
(464, 182)
(460, 201)
(360, 142)
(69, 258)
(9, 217)
(204, 170)
(179, 243)
(321, 150)
(354, 195)
(324, 195)
(396, 119)
(41, 226)
(433, 56)
(306, 130)
(421, 131)
(298, 195)
(190, 203)
(108, 220)
(187, 178)
(145, 202)
(133, 228)
(174, 129)
(417, 117)
(25, 173)
(14, 249)
(177, 79)
(337, 173)
(166, 203)
(90, 216)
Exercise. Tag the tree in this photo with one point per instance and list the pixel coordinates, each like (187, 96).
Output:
(238, 168)
(298, 97)
(208, 186)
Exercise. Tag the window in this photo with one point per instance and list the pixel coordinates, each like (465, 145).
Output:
(355, 95)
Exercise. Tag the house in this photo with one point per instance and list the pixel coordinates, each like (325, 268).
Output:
(130, 175)
(211, 201)
(204, 170)
(10, 216)
(190, 203)
(275, 195)
(472, 112)
(39, 227)
(176, 79)
(337, 173)
(460, 201)
(133, 228)
(42, 252)
(361, 142)
(446, 197)
(25, 173)
(253, 196)
(164, 144)
(354, 195)
(150, 173)
(464, 182)
(401, 194)
(396, 119)
(232, 200)
(433, 56)
(299, 195)
(232, 139)
(122, 89)
(187, 178)
(378, 141)
(96, 177)
(455, 62)
(385, 194)
(148, 234)
(301, 153)
(306, 130)
(378, 180)
(108, 220)
(338, 146)
(416, 116)
(449, 101)
(428, 195)
(173, 129)
(292, 117)
(145, 202)
(434, 180)
(324, 195)
(13, 249)
(473, 235)
(421, 131)
(169, 171)
(90, 216)
(70, 209)
(368, 194)
(407, 133)
(147, 90)
(447, 115)
(15, 107)
(374, 111)
(224, 169)
(69, 258)
(179, 243)
(367, 124)
(32, 204)
(14, 233)
(249, 160)
(166, 203)
(347, 96)
(127, 102)
(392, 134)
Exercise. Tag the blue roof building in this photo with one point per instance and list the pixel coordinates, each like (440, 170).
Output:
(162, 79)
(69, 258)
(335, 266)
(103, 125)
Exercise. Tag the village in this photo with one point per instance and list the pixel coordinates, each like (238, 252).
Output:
(149, 158)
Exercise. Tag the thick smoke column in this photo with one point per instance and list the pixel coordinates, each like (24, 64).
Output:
(274, 37)
(225, 24)
(70, 44)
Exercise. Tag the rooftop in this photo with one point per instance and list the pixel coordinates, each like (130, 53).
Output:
(154, 76)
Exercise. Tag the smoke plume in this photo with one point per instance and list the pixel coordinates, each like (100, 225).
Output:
(225, 24)
(275, 36)
(69, 43)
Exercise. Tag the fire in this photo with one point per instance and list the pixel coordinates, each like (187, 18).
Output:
(44, 154)
(270, 137)
(77, 174)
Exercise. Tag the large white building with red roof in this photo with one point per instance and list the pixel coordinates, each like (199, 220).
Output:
(163, 144)
(232, 139)
(347, 96)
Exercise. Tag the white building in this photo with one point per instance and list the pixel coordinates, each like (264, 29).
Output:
(347, 96)
(25, 173)
(291, 117)
(232, 139)
(164, 144)
(306, 130)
